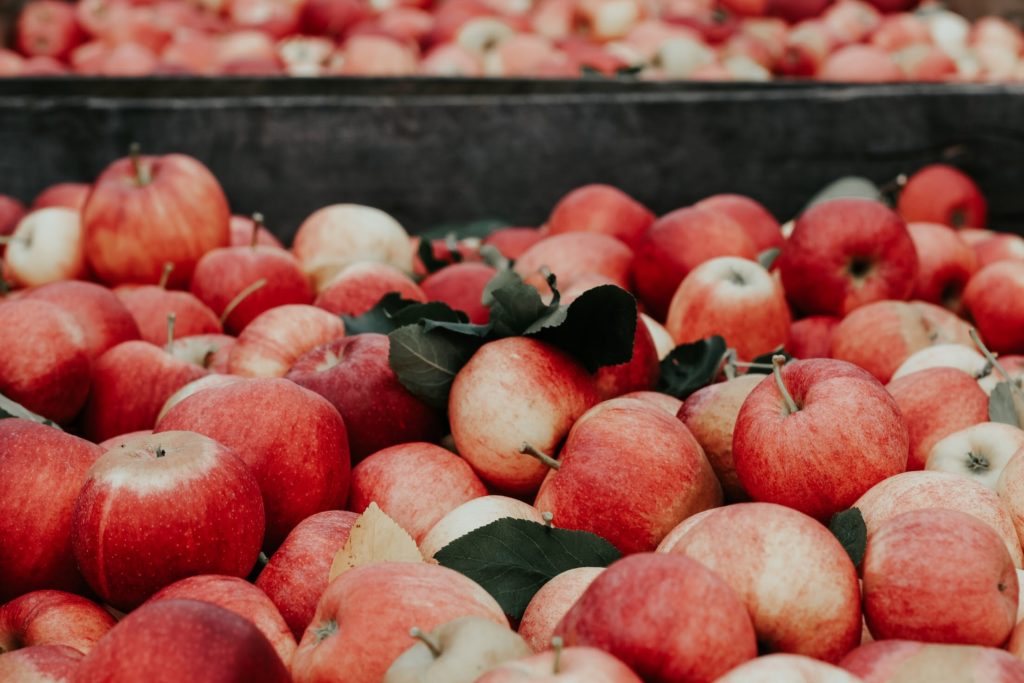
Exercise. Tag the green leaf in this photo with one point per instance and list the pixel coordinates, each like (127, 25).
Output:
(1001, 406)
(598, 328)
(461, 230)
(515, 305)
(766, 359)
(494, 258)
(629, 71)
(767, 257)
(10, 408)
(690, 367)
(392, 312)
(848, 526)
(427, 258)
(513, 558)
(426, 362)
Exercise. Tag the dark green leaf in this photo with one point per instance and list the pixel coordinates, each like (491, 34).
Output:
(767, 257)
(480, 228)
(426, 363)
(515, 305)
(598, 328)
(427, 258)
(392, 312)
(433, 310)
(628, 71)
(766, 360)
(468, 329)
(513, 558)
(848, 526)
(1001, 406)
(690, 367)
(494, 258)
(9, 408)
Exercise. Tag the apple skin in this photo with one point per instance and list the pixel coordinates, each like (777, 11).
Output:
(601, 209)
(860, 64)
(47, 28)
(51, 617)
(665, 616)
(238, 596)
(805, 460)
(943, 356)
(104, 320)
(979, 452)
(514, 242)
(920, 490)
(668, 480)
(292, 438)
(416, 484)
(1010, 488)
(775, 558)
(945, 264)
(939, 193)
(811, 337)
(354, 374)
(994, 299)
(358, 631)
(514, 390)
(131, 229)
(939, 576)
(270, 344)
(150, 305)
(656, 399)
(358, 288)
(461, 286)
(575, 665)
(472, 515)
(46, 246)
(45, 364)
(208, 351)
(572, 256)
(210, 644)
(40, 664)
(786, 668)
(68, 195)
(734, 298)
(935, 403)
(993, 247)
(761, 227)
(163, 507)
(677, 243)
(242, 228)
(891, 661)
(639, 373)
(550, 604)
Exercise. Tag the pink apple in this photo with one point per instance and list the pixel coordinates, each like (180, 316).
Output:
(461, 286)
(374, 55)
(472, 515)
(860, 64)
(514, 242)
(68, 195)
(979, 452)
(892, 660)
(760, 226)
(50, 617)
(602, 209)
(995, 247)
(784, 667)
(995, 300)
(1010, 487)
(331, 17)
(639, 373)
(956, 356)
(945, 264)
(245, 231)
(209, 351)
(46, 247)
(270, 344)
(942, 194)
(104, 320)
(569, 665)
(40, 663)
(573, 255)
(811, 337)
(150, 305)
(358, 288)
(551, 603)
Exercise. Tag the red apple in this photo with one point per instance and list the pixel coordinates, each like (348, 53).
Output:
(359, 287)
(40, 664)
(47, 28)
(151, 304)
(208, 351)
(514, 242)
(808, 44)
(851, 21)
(995, 300)
(104, 320)
(116, 441)
(888, 661)
(11, 213)
(50, 617)
(601, 209)
(332, 18)
(783, 667)
(760, 226)
(244, 231)
(568, 665)
(68, 195)
(939, 193)
(571, 256)
(945, 264)
(270, 344)
(811, 337)
(995, 247)
(639, 373)
(944, 356)
(551, 603)
(979, 452)
(859, 64)
(46, 246)
(461, 286)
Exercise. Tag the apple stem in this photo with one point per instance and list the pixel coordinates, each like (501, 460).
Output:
(729, 364)
(778, 360)
(257, 223)
(171, 317)
(548, 518)
(994, 362)
(240, 297)
(135, 152)
(527, 449)
(419, 635)
(557, 644)
(165, 275)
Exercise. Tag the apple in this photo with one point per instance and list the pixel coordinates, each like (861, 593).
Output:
(811, 337)
(980, 451)
(568, 665)
(210, 643)
(1010, 488)
(845, 253)
(145, 211)
(638, 374)
(47, 28)
(117, 441)
(851, 21)
(601, 209)
(787, 668)
(40, 663)
(663, 341)
(516, 390)
(472, 515)
(51, 617)
(354, 374)
(665, 616)
(677, 243)
(818, 436)
(104, 320)
(461, 286)
(807, 45)
(68, 195)
(359, 630)
(46, 247)
(734, 298)
(238, 596)
(903, 660)
(358, 287)
(668, 479)
(939, 193)
(550, 604)
(572, 256)
(945, 264)
(1014, 366)
(151, 304)
(292, 438)
(859, 64)
(995, 247)
(245, 231)
(45, 364)
(247, 52)
(271, 343)
(451, 59)
(944, 356)
(760, 226)
(458, 651)
(374, 55)
(331, 17)
(163, 507)
(513, 242)
(964, 594)
(416, 484)
(276, 18)
(209, 351)
(920, 490)
(993, 298)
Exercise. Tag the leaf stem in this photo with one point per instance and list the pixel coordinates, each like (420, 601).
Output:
(419, 635)
(994, 362)
(778, 360)
(239, 298)
(548, 518)
(527, 449)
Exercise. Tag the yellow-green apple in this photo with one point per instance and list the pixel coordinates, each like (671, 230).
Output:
(45, 364)
(944, 356)
(845, 253)
(734, 298)
(995, 299)
(992, 247)
(245, 230)
(710, 415)
(394, 477)
(68, 195)
(656, 399)
(339, 235)
(44, 468)
(980, 451)
(511, 391)
(780, 561)
(457, 651)
(663, 341)
(228, 281)
(104, 320)
(905, 661)
(40, 664)
(639, 373)
(668, 479)
(358, 288)
(358, 630)
(939, 193)
(551, 603)
(665, 616)
(472, 515)
(513, 242)
(786, 668)
(51, 617)
(354, 374)
(944, 264)
(602, 209)
(208, 351)
(461, 286)
(270, 344)
(677, 243)
(151, 304)
(811, 337)
(144, 212)
(46, 246)
(163, 507)
(919, 490)
(817, 436)
(1010, 488)
(297, 573)
(761, 227)
(568, 665)
(572, 256)
(238, 596)
(935, 403)
(210, 643)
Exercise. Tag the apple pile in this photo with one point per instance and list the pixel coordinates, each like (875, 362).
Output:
(742, 40)
(617, 448)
